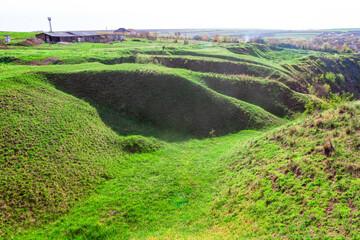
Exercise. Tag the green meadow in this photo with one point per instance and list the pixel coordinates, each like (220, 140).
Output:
(200, 141)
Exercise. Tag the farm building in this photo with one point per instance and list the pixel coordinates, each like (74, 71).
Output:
(77, 36)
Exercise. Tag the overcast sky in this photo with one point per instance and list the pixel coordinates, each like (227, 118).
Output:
(31, 15)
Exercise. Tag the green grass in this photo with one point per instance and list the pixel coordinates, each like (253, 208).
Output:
(18, 36)
(103, 143)
(299, 181)
(53, 151)
(171, 189)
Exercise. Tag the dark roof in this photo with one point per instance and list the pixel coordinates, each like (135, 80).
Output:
(59, 34)
(122, 30)
(83, 33)
(71, 34)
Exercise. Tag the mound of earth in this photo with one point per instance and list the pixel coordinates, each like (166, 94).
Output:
(221, 67)
(272, 96)
(3, 45)
(165, 100)
(31, 42)
(54, 150)
(45, 61)
(299, 181)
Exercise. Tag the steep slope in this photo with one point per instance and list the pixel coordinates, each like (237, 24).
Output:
(163, 97)
(298, 181)
(340, 72)
(54, 150)
(272, 96)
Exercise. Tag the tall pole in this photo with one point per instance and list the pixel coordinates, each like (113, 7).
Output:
(49, 18)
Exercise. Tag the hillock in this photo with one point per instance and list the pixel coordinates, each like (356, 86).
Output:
(300, 180)
(164, 99)
(54, 150)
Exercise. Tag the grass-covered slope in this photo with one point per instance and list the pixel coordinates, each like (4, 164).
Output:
(54, 150)
(272, 96)
(340, 72)
(165, 98)
(299, 181)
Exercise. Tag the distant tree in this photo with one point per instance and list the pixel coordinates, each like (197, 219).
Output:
(217, 38)
(155, 35)
(258, 40)
(177, 35)
(145, 34)
(226, 39)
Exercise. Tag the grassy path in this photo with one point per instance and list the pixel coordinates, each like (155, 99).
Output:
(166, 194)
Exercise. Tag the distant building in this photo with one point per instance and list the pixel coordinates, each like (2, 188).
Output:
(122, 30)
(113, 37)
(76, 36)
(86, 36)
(132, 32)
(7, 38)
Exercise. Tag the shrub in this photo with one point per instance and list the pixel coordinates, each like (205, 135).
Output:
(332, 101)
(340, 78)
(321, 63)
(337, 99)
(331, 77)
(140, 144)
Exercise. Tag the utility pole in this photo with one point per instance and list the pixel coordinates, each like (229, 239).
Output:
(49, 18)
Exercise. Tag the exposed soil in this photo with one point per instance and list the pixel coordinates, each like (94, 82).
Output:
(46, 61)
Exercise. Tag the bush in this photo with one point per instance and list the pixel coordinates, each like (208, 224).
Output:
(337, 99)
(332, 101)
(321, 63)
(331, 77)
(140, 144)
(340, 78)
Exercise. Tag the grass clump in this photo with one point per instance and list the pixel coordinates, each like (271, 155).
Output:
(139, 144)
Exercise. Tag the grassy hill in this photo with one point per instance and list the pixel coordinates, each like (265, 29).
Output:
(298, 181)
(194, 142)
(164, 98)
(54, 149)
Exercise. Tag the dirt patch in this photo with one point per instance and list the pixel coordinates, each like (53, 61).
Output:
(46, 61)
(330, 207)
(3, 45)
(31, 42)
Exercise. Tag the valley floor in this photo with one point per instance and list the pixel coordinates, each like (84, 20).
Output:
(167, 194)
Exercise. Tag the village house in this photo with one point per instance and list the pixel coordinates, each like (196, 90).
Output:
(122, 30)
